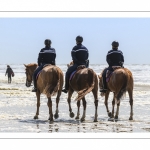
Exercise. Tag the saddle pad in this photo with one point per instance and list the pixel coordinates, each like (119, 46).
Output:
(108, 75)
(41, 70)
(38, 74)
(78, 68)
(72, 74)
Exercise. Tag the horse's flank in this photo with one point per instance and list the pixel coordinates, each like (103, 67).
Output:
(49, 80)
(120, 81)
(83, 82)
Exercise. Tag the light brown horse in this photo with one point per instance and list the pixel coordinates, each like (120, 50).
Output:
(49, 82)
(120, 81)
(84, 81)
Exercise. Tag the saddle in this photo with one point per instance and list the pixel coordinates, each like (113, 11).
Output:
(74, 72)
(109, 73)
(41, 70)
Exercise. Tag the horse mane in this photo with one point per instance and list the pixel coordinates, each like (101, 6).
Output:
(31, 65)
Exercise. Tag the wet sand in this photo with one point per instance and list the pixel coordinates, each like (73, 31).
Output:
(18, 107)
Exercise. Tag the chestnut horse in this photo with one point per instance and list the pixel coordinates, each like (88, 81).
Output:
(83, 81)
(49, 82)
(120, 81)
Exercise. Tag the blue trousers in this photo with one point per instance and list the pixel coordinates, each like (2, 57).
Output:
(68, 73)
(35, 74)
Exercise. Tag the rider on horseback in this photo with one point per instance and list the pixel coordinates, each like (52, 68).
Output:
(114, 58)
(47, 55)
(80, 56)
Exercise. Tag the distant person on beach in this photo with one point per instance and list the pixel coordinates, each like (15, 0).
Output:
(9, 73)
(80, 56)
(47, 55)
(114, 58)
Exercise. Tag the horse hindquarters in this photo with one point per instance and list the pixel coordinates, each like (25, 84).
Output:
(52, 83)
(87, 82)
(119, 82)
(123, 87)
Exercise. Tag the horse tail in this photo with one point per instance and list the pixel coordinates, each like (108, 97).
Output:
(53, 86)
(123, 88)
(91, 83)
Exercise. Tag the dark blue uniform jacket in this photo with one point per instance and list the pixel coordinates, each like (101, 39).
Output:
(79, 54)
(47, 55)
(115, 58)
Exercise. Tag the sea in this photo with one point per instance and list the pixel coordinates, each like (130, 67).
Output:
(141, 73)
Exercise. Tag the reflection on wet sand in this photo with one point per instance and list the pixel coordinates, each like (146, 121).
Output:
(18, 106)
(84, 127)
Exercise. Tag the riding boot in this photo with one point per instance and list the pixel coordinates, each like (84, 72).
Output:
(65, 90)
(35, 85)
(104, 84)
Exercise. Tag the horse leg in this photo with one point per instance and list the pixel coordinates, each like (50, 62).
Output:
(113, 106)
(130, 92)
(70, 92)
(94, 91)
(78, 112)
(56, 115)
(84, 109)
(38, 104)
(50, 109)
(106, 103)
(117, 111)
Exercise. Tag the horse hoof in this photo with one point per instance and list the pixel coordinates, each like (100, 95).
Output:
(71, 114)
(56, 116)
(35, 117)
(112, 116)
(50, 119)
(76, 117)
(116, 117)
(82, 119)
(109, 114)
(95, 120)
(131, 118)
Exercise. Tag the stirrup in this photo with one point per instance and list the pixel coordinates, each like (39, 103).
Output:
(34, 90)
(64, 90)
(103, 90)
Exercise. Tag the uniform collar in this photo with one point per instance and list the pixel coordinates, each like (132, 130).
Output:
(47, 47)
(79, 44)
(114, 49)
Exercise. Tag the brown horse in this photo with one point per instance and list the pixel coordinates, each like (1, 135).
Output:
(120, 81)
(84, 81)
(49, 82)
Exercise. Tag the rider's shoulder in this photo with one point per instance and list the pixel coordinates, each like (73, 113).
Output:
(110, 51)
(75, 48)
(120, 51)
(84, 47)
(114, 51)
(42, 49)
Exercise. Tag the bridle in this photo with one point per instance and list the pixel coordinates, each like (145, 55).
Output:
(28, 83)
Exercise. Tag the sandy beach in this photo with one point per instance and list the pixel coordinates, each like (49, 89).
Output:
(18, 107)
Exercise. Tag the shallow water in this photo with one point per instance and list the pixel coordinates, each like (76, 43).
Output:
(18, 107)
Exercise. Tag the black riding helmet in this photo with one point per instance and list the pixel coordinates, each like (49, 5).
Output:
(47, 42)
(79, 39)
(115, 44)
